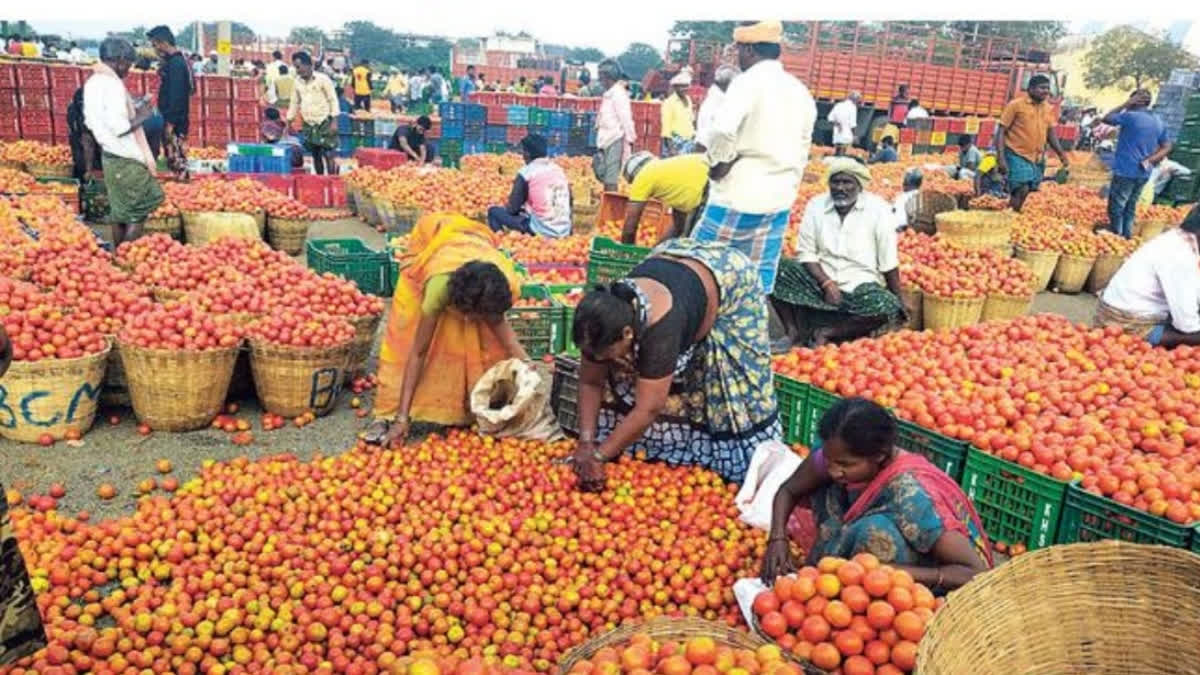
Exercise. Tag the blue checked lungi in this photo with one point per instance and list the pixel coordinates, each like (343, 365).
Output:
(758, 235)
(1022, 171)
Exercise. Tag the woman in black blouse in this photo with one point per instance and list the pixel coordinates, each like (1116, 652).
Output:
(681, 344)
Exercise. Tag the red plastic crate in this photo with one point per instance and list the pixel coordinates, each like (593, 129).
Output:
(41, 137)
(35, 117)
(337, 191)
(313, 191)
(246, 112)
(245, 132)
(217, 132)
(380, 158)
(435, 131)
(282, 184)
(245, 89)
(34, 100)
(10, 128)
(151, 82)
(8, 76)
(32, 76)
(217, 110)
(644, 111)
(60, 99)
(65, 78)
(8, 102)
(547, 102)
(497, 115)
(515, 134)
(506, 99)
(216, 87)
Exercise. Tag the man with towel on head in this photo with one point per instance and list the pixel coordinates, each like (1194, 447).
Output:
(756, 152)
(678, 117)
(845, 281)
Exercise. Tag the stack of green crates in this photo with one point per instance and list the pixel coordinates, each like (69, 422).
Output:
(539, 329)
(352, 260)
(558, 291)
(610, 261)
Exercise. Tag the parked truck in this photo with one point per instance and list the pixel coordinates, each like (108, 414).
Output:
(952, 75)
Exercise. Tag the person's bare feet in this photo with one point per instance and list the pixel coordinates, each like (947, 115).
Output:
(375, 432)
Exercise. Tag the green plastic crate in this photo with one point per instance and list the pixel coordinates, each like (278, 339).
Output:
(538, 328)
(568, 324)
(1196, 539)
(539, 117)
(609, 261)
(946, 453)
(1192, 107)
(1091, 517)
(1017, 505)
(792, 397)
(819, 403)
(353, 260)
(1190, 132)
(496, 148)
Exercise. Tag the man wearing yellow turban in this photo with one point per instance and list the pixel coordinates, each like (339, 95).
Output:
(756, 150)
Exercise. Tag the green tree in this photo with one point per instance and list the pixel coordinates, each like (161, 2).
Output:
(1032, 33)
(186, 38)
(638, 59)
(307, 35)
(584, 54)
(366, 40)
(1130, 58)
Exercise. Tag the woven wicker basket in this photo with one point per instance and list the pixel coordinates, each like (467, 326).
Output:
(583, 219)
(940, 313)
(975, 230)
(662, 629)
(1072, 272)
(352, 193)
(288, 234)
(387, 212)
(1041, 262)
(9, 164)
(54, 396)
(1003, 307)
(1103, 270)
(1101, 608)
(1149, 231)
(201, 227)
(170, 225)
(175, 390)
(366, 208)
(291, 381)
(40, 170)
(405, 218)
(365, 328)
(913, 300)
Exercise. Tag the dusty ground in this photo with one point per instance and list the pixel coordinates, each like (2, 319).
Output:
(117, 454)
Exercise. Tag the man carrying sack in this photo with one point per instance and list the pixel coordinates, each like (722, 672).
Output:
(116, 121)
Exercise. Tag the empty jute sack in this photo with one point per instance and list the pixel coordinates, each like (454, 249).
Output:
(512, 399)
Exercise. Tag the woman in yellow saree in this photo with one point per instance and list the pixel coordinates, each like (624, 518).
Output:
(447, 313)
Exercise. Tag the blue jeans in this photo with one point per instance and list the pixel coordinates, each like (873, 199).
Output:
(1123, 196)
(499, 219)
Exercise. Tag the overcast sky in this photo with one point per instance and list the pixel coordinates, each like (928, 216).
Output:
(607, 24)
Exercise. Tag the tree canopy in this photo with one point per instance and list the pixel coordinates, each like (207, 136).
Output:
(307, 35)
(1131, 58)
(639, 58)
(383, 45)
(1034, 33)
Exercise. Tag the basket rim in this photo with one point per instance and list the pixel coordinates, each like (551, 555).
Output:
(261, 345)
(1036, 251)
(954, 298)
(121, 344)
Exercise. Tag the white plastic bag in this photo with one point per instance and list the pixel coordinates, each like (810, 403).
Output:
(745, 591)
(771, 465)
(513, 399)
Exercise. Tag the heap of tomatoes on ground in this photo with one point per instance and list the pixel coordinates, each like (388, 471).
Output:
(1072, 402)
(458, 552)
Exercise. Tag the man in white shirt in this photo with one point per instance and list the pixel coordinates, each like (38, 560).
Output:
(900, 206)
(712, 104)
(844, 116)
(1156, 293)
(758, 147)
(116, 123)
(273, 66)
(915, 112)
(845, 281)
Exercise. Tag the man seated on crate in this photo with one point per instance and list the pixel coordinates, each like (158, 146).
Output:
(680, 183)
(274, 131)
(859, 494)
(540, 201)
(845, 280)
(411, 139)
(886, 154)
(1156, 293)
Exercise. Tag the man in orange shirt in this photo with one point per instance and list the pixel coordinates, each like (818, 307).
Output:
(1026, 126)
